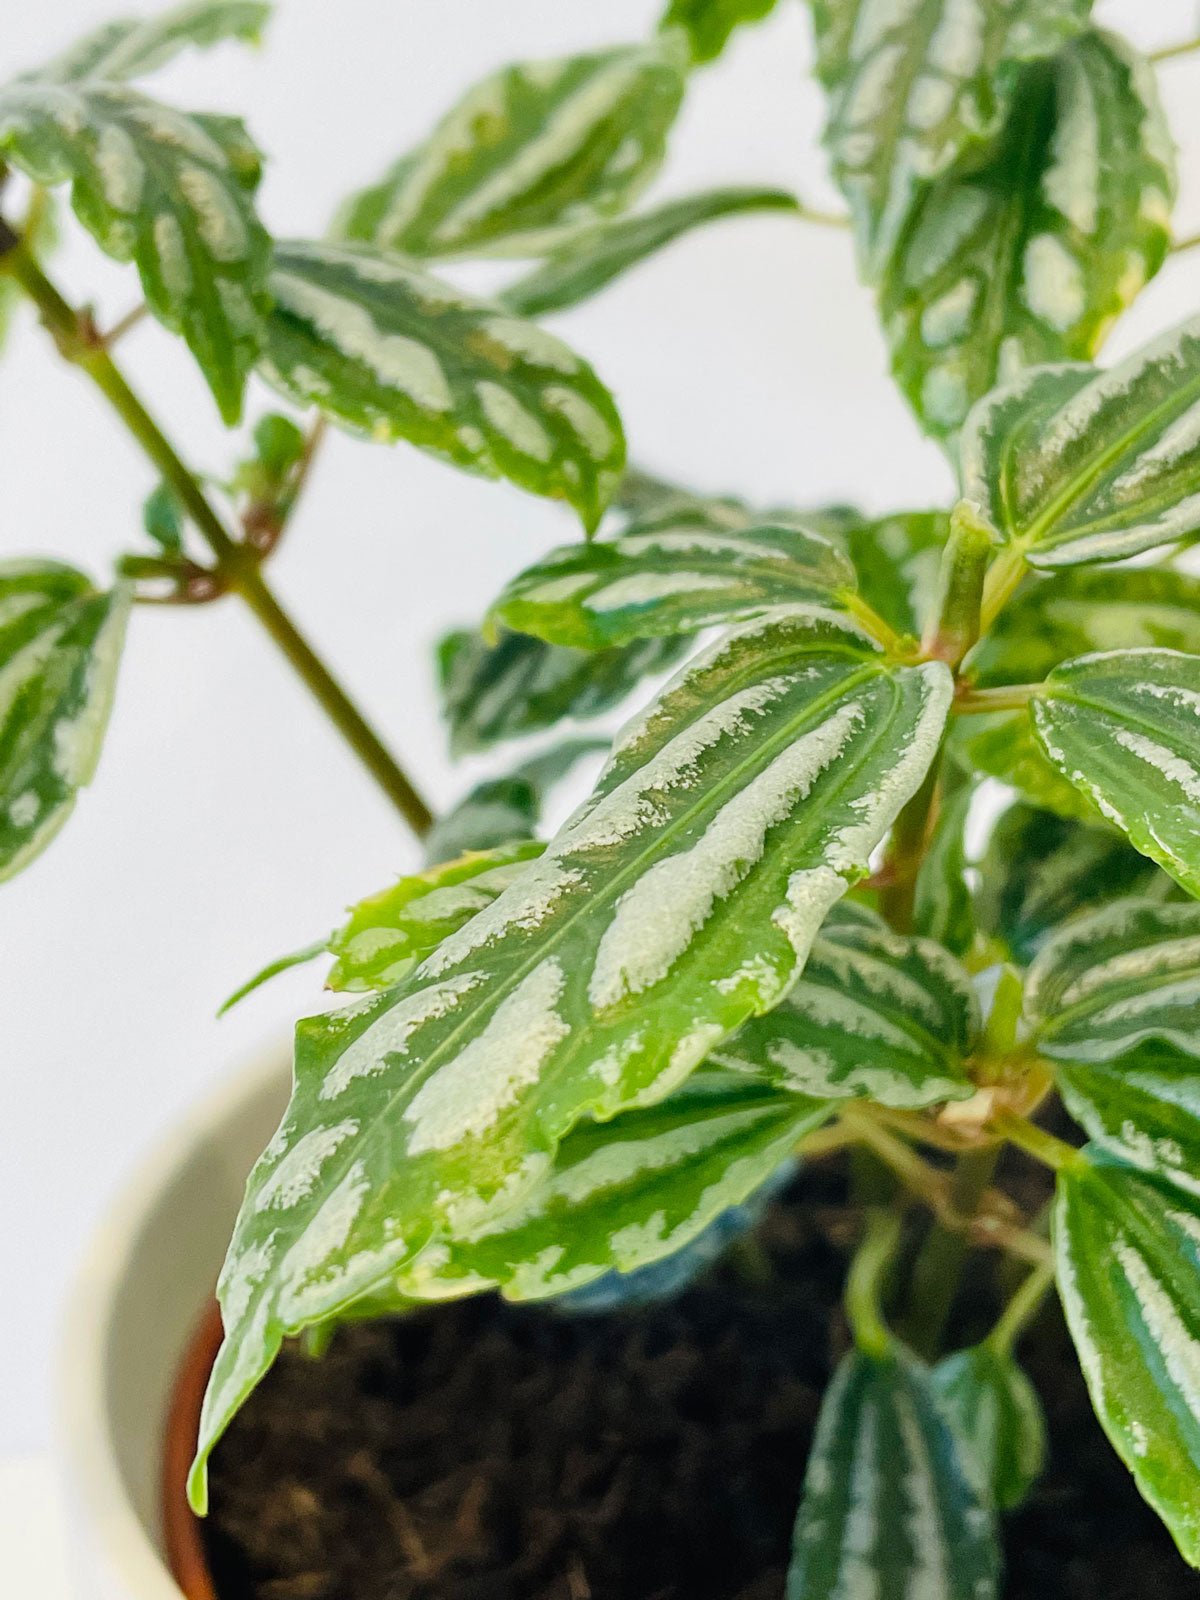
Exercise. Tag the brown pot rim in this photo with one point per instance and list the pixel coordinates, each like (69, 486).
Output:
(182, 1528)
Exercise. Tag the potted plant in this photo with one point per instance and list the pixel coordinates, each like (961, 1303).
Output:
(564, 1195)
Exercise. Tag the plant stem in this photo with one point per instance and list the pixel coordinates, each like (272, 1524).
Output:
(955, 623)
(237, 565)
(1036, 1142)
(938, 1268)
(866, 1282)
(1003, 580)
(1021, 1309)
(1188, 242)
(1008, 697)
(876, 626)
(1172, 52)
(824, 219)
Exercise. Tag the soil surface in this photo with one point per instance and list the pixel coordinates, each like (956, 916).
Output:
(483, 1451)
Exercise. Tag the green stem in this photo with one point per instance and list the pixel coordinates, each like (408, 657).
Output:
(1003, 579)
(1036, 1142)
(237, 565)
(1008, 697)
(938, 1268)
(867, 1280)
(955, 623)
(1188, 242)
(1021, 1309)
(1172, 52)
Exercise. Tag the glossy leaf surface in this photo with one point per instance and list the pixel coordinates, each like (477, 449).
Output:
(889, 1508)
(389, 351)
(874, 1013)
(679, 900)
(998, 1419)
(1128, 1251)
(1030, 256)
(1124, 728)
(529, 155)
(60, 646)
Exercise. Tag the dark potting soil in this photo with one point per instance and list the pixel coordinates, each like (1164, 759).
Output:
(482, 1451)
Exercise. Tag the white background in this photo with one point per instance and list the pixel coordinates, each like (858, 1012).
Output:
(226, 823)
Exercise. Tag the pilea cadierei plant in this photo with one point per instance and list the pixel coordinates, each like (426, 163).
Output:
(577, 1064)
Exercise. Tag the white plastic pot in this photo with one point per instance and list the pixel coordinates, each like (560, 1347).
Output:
(148, 1278)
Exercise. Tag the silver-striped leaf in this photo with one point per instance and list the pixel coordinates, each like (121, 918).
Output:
(1143, 1107)
(1123, 727)
(874, 1013)
(589, 260)
(528, 156)
(495, 691)
(917, 88)
(709, 23)
(1128, 1258)
(668, 578)
(390, 351)
(1031, 256)
(1126, 973)
(171, 191)
(889, 1509)
(1074, 464)
(999, 1422)
(1040, 871)
(133, 46)
(60, 646)
(679, 900)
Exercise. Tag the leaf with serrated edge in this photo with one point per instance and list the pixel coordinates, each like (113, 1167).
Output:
(1040, 871)
(874, 1013)
(1031, 256)
(888, 1506)
(589, 260)
(1124, 727)
(60, 646)
(1128, 1257)
(132, 46)
(918, 86)
(528, 155)
(1073, 464)
(710, 23)
(1143, 1107)
(390, 351)
(668, 578)
(998, 1419)
(680, 899)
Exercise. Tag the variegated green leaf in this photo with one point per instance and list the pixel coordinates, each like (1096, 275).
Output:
(133, 46)
(60, 645)
(668, 578)
(170, 191)
(1143, 1107)
(528, 155)
(1041, 870)
(917, 86)
(1083, 609)
(709, 23)
(998, 1420)
(1124, 727)
(943, 908)
(679, 900)
(1030, 256)
(1111, 980)
(387, 350)
(897, 560)
(520, 685)
(1128, 1251)
(1071, 464)
(889, 1509)
(874, 1013)
(589, 260)
(387, 934)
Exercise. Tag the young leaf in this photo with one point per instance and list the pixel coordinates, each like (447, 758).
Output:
(943, 909)
(668, 579)
(387, 350)
(60, 645)
(1032, 255)
(170, 191)
(889, 1509)
(874, 1013)
(1144, 1108)
(520, 685)
(528, 156)
(680, 899)
(387, 934)
(133, 46)
(1074, 465)
(1041, 870)
(998, 1420)
(164, 519)
(709, 23)
(1128, 1250)
(1109, 981)
(897, 560)
(917, 90)
(589, 260)
(1124, 728)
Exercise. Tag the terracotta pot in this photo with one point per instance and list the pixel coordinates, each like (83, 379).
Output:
(139, 1308)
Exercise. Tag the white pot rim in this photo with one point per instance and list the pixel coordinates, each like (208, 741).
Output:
(119, 1533)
